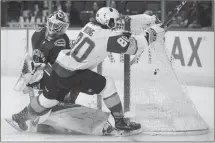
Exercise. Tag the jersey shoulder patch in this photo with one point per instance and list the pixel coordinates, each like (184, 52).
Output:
(118, 44)
(60, 42)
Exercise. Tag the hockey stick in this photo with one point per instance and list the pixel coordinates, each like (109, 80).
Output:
(174, 13)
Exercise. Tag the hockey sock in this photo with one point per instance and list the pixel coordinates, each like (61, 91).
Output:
(114, 105)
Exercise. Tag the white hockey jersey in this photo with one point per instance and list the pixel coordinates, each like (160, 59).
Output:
(92, 46)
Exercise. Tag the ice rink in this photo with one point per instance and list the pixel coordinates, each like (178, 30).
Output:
(11, 102)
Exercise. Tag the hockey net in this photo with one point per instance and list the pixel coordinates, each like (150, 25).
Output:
(152, 92)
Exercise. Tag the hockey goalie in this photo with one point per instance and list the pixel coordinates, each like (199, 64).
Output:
(73, 71)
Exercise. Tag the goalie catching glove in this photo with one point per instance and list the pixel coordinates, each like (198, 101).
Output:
(155, 33)
(31, 73)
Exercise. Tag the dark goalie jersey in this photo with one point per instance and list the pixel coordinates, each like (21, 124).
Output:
(45, 49)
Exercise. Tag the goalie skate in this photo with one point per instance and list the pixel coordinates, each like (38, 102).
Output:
(14, 124)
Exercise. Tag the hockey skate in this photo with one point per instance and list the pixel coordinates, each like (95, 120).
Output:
(132, 128)
(126, 124)
(18, 121)
(17, 124)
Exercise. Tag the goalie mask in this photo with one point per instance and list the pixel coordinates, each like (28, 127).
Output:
(107, 16)
(57, 23)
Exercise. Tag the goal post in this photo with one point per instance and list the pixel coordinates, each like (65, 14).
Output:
(99, 97)
(127, 83)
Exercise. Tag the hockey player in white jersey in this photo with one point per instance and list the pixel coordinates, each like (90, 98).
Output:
(73, 68)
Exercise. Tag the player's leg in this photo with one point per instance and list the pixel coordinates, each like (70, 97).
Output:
(89, 82)
(105, 87)
(63, 95)
(112, 101)
(39, 105)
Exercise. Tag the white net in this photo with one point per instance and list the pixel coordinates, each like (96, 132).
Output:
(165, 107)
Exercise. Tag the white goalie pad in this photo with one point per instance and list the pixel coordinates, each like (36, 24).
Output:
(77, 118)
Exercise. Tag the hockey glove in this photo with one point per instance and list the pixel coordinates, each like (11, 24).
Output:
(155, 33)
(31, 73)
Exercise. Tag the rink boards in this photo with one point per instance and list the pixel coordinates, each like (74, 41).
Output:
(193, 53)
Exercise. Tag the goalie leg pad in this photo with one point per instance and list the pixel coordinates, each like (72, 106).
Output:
(77, 118)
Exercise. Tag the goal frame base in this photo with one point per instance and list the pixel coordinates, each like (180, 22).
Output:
(177, 133)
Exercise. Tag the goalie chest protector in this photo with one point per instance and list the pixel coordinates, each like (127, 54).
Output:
(46, 50)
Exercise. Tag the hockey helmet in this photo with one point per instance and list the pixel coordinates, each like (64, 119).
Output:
(107, 16)
(57, 23)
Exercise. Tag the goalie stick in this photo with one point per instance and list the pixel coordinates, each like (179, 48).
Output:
(174, 13)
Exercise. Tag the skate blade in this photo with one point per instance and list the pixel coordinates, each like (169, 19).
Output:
(14, 124)
(124, 133)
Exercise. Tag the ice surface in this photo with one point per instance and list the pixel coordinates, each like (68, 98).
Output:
(11, 101)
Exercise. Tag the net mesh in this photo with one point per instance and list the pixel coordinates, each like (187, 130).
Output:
(165, 106)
